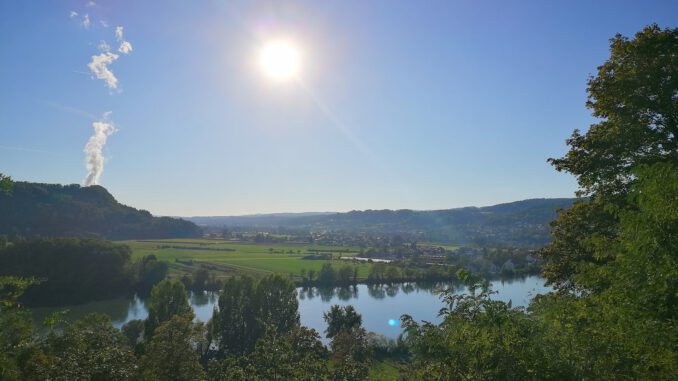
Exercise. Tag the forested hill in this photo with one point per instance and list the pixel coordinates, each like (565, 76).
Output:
(521, 223)
(54, 210)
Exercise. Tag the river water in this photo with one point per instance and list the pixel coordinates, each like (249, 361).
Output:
(380, 305)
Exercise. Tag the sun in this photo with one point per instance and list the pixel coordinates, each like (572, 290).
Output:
(280, 60)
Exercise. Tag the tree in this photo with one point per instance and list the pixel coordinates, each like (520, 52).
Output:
(277, 303)
(344, 275)
(235, 327)
(149, 272)
(5, 184)
(89, 349)
(200, 278)
(298, 355)
(16, 329)
(377, 272)
(326, 276)
(349, 343)
(247, 309)
(478, 339)
(340, 319)
(171, 354)
(613, 256)
(74, 270)
(168, 298)
(634, 95)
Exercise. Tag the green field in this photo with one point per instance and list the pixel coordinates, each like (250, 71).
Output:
(186, 255)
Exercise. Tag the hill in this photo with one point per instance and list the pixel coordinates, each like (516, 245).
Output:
(53, 210)
(520, 223)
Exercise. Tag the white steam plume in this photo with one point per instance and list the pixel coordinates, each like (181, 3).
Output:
(94, 157)
(125, 46)
(99, 66)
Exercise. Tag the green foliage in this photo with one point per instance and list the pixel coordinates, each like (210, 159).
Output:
(613, 259)
(90, 349)
(298, 356)
(11, 288)
(170, 355)
(247, 308)
(575, 235)
(278, 304)
(71, 270)
(341, 319)
(72, 211)
(478, 339)
(134, 332)
(351, 354)
(5, 184)
(234, 326)
(148, 272)
(168, 299)
(16, 329)
(634, 93)
(628, 326)
(326, 276)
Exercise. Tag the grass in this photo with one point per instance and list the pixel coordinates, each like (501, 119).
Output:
(253, 258)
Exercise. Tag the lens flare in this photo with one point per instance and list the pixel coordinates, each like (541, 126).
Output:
(393, 322)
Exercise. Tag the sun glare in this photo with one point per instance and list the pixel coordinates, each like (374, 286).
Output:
(280, 60)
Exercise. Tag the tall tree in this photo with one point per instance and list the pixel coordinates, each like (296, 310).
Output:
(613, 257)
(171, 353)
(340, 319)
(277, 303)
(634, 95)
(168, 298)
(235, 327)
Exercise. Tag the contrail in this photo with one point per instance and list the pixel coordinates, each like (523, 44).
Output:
(94, 157)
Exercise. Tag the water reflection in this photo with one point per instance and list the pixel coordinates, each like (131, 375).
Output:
(375, 291)
(380, 304)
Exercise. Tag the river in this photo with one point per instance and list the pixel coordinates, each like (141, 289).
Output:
(381, 306)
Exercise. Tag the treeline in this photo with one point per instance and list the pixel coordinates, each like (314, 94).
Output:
(379, 273)
(254, 334)
(73, 270)
(492, 262)
(53, 210)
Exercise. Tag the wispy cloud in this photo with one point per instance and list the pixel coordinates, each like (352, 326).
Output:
(118, 33)
(94, 156)
(90, 4)
(73, 14)
(70, 109)
(85, 21)
(125, 46)
(103, 23)
(99, 66)
(25, 149)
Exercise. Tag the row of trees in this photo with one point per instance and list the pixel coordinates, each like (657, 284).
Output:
(74, 270)
(379, 273)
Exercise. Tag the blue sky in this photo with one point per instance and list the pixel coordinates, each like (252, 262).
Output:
(421, 105)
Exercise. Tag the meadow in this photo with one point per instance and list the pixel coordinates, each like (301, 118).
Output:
(225, 258)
